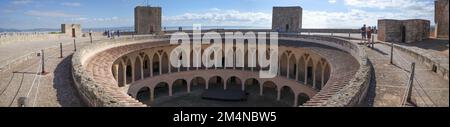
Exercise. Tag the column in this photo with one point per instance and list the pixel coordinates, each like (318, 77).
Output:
(124, 75)
(288, 68)
(142, 69)
(116, 72)
(295, 100)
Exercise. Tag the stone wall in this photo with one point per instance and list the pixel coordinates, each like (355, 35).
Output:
(287, 19)
(91, 92)
(352, 93)
(31, 37)
(441, 18)
(147, 20)
(406, 31)
(73, 30)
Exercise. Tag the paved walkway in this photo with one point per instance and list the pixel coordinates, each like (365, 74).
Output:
(12, 51)
(391, 80)
(54, 89)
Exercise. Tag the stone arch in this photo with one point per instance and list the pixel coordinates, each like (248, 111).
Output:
(161, 90)
(234, 83)
(287, 95)
(318, 74)
(302, 98)
(198, 83)
(146, 66)
(216, 82)
(179, 86)
(283, 64)
(137, 69)
(165, 63)
(270, 90)
(326, 74)
(309, 73)
(121, 75)
(156, 65)
(129, 72)
(144, 95)
(252, 86)
(301, 69)
(292, 67)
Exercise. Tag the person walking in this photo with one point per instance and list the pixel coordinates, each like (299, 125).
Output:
(363, 32)
(369, 36)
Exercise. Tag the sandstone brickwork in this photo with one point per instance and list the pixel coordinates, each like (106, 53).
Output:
(441, 18)
(147, 20)
(405, 31)
(287, 19)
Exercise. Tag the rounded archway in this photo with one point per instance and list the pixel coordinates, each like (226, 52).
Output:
(292, 67)
(161, 90)
(301, 69)
(146, 66)
(215, 82)
(252, 86)
(283, 65)
(270, 90)
(302, 98)
(287, 95)
(137, 69)
(129, 72)
(156, 65)
(234, 83)
(179, 87)
(198, 84)
(165, 64)
(144, 95)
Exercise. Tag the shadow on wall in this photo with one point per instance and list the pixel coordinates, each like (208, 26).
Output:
(63, 83)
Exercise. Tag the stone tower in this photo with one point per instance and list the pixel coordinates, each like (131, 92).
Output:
(406, 31)
(287, 19)
(73, 30)
(441, 18)
(147, 20)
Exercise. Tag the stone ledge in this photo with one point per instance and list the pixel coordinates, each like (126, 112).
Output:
(441, 62)
(92, 93)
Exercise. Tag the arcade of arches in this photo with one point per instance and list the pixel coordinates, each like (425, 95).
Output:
(298, 65)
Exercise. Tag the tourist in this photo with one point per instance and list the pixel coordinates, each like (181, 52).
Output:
(109, 34)
(363, 32)
(118, 33)
(369, 36)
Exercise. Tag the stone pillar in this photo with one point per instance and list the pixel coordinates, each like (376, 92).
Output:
(188, 87)
(261, 87)
(132, 72)
(152, 95)
(296, 72)
(151, 67)
(124, 75)
(243, 86)
(278, 94)
(295, 100)
(314, 77)
(322, 78)
(116, 72)
(142, 69)
(170, 90)
(160, 66)
(287, 71)
(306, 73)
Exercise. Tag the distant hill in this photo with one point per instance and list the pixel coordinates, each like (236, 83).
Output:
(30, 30)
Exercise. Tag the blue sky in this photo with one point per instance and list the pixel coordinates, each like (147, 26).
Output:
(26, 14)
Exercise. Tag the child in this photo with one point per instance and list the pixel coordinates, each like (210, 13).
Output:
(369, 36)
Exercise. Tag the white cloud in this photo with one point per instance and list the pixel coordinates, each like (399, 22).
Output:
(17, 2)
(50, 14)
(332, 1)
(392, 4)
(70, 4)
(217, 16)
